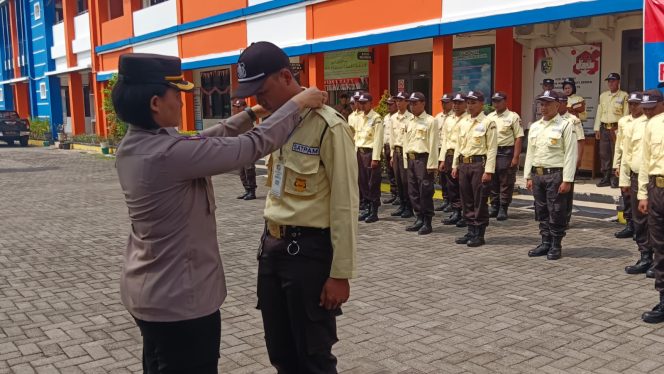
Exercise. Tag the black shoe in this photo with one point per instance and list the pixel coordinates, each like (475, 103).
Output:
(502, 213)
(408, 213)
(605, 181)
(656, 315)
(642, 265)
(493, 211)
(449, 208)
(364, 214)
(442, 206)
(373, 214)
(240, 197)
(614, 181)
(417, 225)
(650, 273)
(426, 227)
(364, 206)
(541, 249)
(251, 195)
(555, 253)
(390, 200)
(461, 223)
(452, 219)
(397, 201)
(469, 235)
(627, 232)
(398, 212)
(478, 239)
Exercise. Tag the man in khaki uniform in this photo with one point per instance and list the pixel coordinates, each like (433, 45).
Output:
(651, 191)
(440, 118)
(369, 144)
(307, 254)
(387, 152)
(632, 128)
(549, 172)
(353, 120)
(474, 164)
(564, 113)
(612, 106)
(248, 172)
(446, 158)
(421, 148)
(400, 121)
(510, 138)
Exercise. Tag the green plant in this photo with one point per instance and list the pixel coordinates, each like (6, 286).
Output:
(381, 109)
(116, 129)
(39, 127)
(87, 139)
(488, 108)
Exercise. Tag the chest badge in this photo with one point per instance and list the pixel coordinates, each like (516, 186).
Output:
(300, 184)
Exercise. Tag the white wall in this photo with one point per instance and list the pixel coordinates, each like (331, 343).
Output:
(58, 48)
(168, 46)
(455, 10)
(82, 32)
(254, 2)
(282, 28)
(155, 17)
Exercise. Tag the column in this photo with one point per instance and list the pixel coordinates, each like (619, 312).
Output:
(69, 11)
(21, 90)
(76, 104)
(188, 119)
(379, 71)
(508, 67)
(442, 70)
(315, 70)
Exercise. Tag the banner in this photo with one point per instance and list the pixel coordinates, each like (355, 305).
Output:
(653, 44)
(581, 62)
(345, 64)
(345, 84)
(472, 70)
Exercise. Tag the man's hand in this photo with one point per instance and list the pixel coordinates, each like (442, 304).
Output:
(486, 177)
(515, 162)
(625, 190)
(529, 184)
(441, 166)
(455, 173)
(375, 164)
(597, 135)
(335, 292)
(643, 206)
(565, 187)
(259, 111)
(616, 172)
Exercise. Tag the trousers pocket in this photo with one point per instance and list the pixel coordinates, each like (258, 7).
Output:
(320, 328)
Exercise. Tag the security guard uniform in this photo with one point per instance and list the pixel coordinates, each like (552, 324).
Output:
(474, 156)
(248, 172)
(580, 140)
(575, 101)
(509, 128)
(399, 123)
(369, 144)
(387, 155)
(451, 138)
(440, 118)
(624, 125)
(421, 148)
(630, 164)
(651, 188)
(612, 106)
(550, 161)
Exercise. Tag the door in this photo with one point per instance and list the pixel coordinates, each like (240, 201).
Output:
(632, 60)
(413, 73)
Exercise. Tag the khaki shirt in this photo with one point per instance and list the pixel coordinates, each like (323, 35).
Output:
(509, 127)
(477, 137)
(399, 129)
(422, 137)
(552, 144)
(451, 133)
(612, 107)
(172, 269)
(652, 153)
(440, 122)
(387, 128)
(632, 136)
(320, 185)
(623, 125)
(369, 133)
(573, 101)
(352, 121)
(578, 125)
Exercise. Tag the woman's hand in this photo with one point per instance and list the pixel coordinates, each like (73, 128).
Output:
(310, 98)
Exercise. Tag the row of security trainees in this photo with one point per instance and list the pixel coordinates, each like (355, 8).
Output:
(172, 279)
(247, 172)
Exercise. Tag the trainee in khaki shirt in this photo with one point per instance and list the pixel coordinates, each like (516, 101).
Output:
(509, 127)
(612, 107)
(320, 185)
(352, 121)
(422, 137)
(387, 128)
(632, 137)
(578, 125)
(652, 151)
(477, 137)
(440, 121)
(399, 128)
(552, 144)
(624, 125)
(573, 100)
(369, 133)
(450, 134)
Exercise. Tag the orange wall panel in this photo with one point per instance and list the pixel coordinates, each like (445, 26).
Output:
(214, 40)
(193, 10)
(349, 16)
(109, 61)
(117, 29)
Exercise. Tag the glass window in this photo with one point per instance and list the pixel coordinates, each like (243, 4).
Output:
(216, 93)
(86, 100)
(115, 9)
(37, 11)
(42, 90)
(147, 3)
(81, 6)
(59, 14)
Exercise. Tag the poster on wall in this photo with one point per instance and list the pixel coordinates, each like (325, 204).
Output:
(345, 65)
(472, 70)
(581, 62)
(653, 46)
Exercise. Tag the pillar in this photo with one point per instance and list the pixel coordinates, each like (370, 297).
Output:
(22, 99)
(315, 70)
(76, 104)
(442, 70)
(21, 90)
(188, 119)
(69, 11)
(98, 14)
(379, 71)
(508, 67)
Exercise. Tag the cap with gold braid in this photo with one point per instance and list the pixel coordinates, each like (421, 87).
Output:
(147, 68)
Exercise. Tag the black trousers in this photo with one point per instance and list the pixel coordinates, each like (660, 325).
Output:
(181, 347)
(391, 177)
(640, 220)
(248, 176)
(504, 179)
(474, 193)
(401, 176)
(299, 333)
(369, 179)
(442, 180)
(607, 146)
(656, 229)
(420, 185)
(454, 196)
(550, 206)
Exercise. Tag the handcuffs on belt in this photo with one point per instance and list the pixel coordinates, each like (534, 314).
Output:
(274, 229)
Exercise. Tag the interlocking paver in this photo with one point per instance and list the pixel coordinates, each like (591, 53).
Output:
(420, 305)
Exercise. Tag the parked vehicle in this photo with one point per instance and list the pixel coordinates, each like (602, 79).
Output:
(13, 128)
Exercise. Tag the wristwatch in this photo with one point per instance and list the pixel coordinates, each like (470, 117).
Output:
(251, 113)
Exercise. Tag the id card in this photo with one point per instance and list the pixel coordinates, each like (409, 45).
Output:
(278, 179)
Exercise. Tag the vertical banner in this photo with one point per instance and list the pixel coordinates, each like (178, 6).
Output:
(653, 44)
(472, 69)
(581, 62)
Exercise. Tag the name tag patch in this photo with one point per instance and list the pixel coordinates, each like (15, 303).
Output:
(305, 149)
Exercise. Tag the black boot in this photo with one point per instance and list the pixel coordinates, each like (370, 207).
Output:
(461, 222)
(399, 211)
(614, 181)
(449, 208)
(442, 206)
(502, 213)
(251, 195)
(364, 205)
(650, 273)
(373, 215)
(453, 219)
(417, 225)
(364, 214)
(642, 265)
(493, 211)
(478, 239)
(627, 232)
(656, 315)
(246, 191)
(397, 201)
(390, 200)
(408, 213)
(469, 235)
(426, 227)
(605, 181)
(541, 249)
(555, 252)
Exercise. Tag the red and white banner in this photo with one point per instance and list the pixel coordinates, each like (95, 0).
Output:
(344, 84)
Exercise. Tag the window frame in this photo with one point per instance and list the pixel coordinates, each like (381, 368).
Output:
(37, 11)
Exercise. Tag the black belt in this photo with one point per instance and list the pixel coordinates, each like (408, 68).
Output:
(471, 159)
(609, 126)
(414, 156)
(505, 147)
(545, 171)
(365, 150)
(293, 232)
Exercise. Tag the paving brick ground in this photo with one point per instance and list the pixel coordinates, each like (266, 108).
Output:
(421, 304)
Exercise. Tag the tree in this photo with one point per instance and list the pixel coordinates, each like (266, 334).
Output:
(115, 128)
